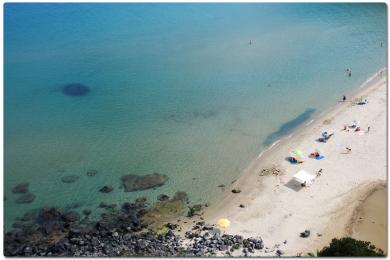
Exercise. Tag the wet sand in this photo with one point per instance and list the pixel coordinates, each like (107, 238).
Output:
(371, 219)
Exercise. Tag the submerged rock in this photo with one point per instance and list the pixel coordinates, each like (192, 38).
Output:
(75, 89)
(21, 188)
(163, 197)
(194, 210)
(136, 182)
(106, 189)
(166, 211)
(91, 173)
(25, 198)
(71, 216)
(87, 212)
(70, 178)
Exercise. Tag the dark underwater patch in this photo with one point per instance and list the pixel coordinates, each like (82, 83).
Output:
(75, 89)
(287, 127)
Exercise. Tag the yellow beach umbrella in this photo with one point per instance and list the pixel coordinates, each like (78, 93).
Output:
(223, 223)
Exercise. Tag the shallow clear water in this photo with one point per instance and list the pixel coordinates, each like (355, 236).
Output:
(175, 89)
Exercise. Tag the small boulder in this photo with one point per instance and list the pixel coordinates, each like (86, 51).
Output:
(69, 178)
(25, 198)
(87, 212)
(21, 188)
(163, 197)
(236, 190)
(91, 173)
(106, 189)
(71, 216)
(194, 210)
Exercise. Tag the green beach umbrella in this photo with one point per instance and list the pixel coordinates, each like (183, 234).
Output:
(297, 152)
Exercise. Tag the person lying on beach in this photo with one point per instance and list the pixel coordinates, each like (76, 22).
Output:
(357, 129)
(304, 184)
(354, 124)
(319, 172)
(315, 154)
(294, 160)
(349, 150)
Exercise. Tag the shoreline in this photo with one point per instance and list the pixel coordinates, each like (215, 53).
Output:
(254, 188)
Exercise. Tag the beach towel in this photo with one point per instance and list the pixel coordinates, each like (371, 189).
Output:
(319, 157)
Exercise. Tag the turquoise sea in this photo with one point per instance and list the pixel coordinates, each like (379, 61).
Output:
(193, 91)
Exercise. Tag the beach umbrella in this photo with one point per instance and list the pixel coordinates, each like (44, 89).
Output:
(297, 152)
(223, 223)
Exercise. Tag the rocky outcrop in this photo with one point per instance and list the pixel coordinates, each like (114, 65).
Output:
(136, 182)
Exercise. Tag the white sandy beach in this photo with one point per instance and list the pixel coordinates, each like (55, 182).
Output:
(278, 211)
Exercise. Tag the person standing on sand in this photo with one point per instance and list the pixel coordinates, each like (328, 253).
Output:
(344, 98)
(368, 129)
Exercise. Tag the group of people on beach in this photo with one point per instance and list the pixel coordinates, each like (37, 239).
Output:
(354, 126)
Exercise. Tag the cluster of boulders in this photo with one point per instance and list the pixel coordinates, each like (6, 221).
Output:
(25, 195)
(118, 232)
(208, 240)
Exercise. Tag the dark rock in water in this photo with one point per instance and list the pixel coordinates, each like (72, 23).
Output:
(166, 211)
(236, 190)
(25, 198)
(135, 182)
(305, 233)
(91, 173)
(70, 178)
(141, 200)
(106, 189)
(49, 214)
(87, 212)
(163, 197)
(106, 205)
(21, 188)
(71, 216)
(194, 210)
(180, 196)
(49, 219)
(75, 89)
(28, 216)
